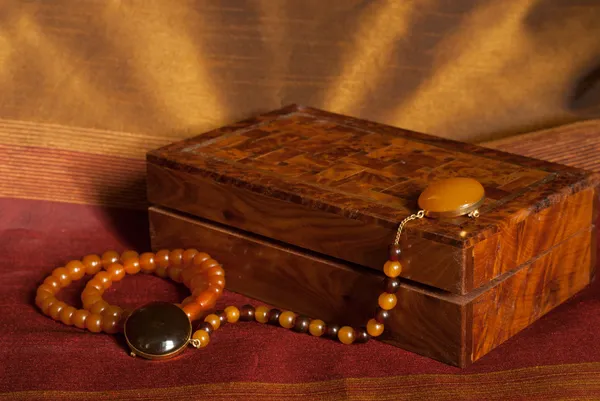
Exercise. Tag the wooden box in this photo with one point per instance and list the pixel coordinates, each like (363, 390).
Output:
(300, 205)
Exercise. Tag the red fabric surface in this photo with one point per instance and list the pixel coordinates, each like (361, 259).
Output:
(42, 359)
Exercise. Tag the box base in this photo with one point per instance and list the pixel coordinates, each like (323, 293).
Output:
(454, 329)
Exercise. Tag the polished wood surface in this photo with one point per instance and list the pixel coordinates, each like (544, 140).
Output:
(339, 186)
(454, 329)
(531, 292)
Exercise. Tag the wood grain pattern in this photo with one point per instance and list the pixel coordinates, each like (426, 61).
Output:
(518, 243)
(531, 292)
(454, 329)
(303, 176)
(351, 240)
(314, 286)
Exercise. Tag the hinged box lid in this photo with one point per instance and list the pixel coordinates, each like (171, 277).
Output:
(339, 186)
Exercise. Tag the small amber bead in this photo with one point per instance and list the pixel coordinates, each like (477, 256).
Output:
(188, 300)
(116, 271)
(207, 264)
(198, 281)
(90, 292)
(76, 269)
(79, 318)
(90, 300)
(160, 271)
(131, 265)
(203, 338)
(92, 263)
(199, 290)
(45, 304)
(53, 282)
(207, 300)
(188, 274)
(214, 321)
(66, 314)
(104, 278)
(274, 316)
(331, 330)
(161, 258)
(316, 327)
(361, 335)
(110, 323)
(94, 323)
(147, 263)
(62, 274)
(188, 256)
(55, 309)
(176, 257)
(45, 289)
(247, 313)
(97, 284)
(98, 307)
(391, 285)
(200, 258)
(395, 252)
(193, 310)
(374, 329)
(41, 296)
(382, 315)
(233, 314)
(287, 319)
(112, 310)
(301, 324)
(216, 281)
(387, 301)
(128, 254)
(346, 335)
(392, 268)
(110, 257)
(215, 271)
(175, 274)
(261, 314)
(216, 290)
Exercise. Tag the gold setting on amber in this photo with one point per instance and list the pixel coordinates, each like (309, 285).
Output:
(452, 197)
(471, 210)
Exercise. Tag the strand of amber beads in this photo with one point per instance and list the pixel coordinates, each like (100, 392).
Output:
(206, 280)
(302, 324)
(197, 270)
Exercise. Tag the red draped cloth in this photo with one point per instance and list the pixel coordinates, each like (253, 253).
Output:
(558, 357)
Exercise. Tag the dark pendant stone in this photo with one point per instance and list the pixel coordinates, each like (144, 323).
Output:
(158, 330)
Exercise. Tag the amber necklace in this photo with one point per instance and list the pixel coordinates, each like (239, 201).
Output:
(162, 330)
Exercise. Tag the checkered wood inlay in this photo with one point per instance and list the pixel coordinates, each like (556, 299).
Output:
(379, 167)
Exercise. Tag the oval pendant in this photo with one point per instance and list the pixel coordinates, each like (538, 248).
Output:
(158, 330)
(452, 197)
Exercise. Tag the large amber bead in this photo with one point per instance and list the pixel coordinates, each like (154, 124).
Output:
(158, 330)
(452, 197)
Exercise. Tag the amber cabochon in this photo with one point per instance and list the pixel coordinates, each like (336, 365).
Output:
(310, 200)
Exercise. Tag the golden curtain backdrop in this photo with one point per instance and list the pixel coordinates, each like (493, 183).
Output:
(470, 70)
(115, 78)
